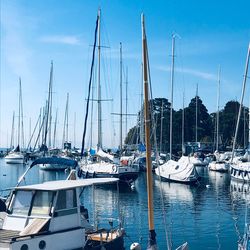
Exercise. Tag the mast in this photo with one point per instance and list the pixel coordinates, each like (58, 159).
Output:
(171, 99)
(54, 135)
(12, 131)
(196, 114)
(183, 128)
(19, 114)
(142, 112)
(65, 125)
(161, 126)
(21, 117)
(74, 129)
(126, 121)
(241, 101)
(152, 234)
(249, 127)
(48, 106)
(99, 144)
(120, 96)
(218, 110)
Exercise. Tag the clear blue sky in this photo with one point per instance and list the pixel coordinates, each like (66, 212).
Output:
(33, 33)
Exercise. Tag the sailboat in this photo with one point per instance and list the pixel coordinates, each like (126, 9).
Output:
(218, 164)
(98, 163)
(16, 156)
(240, 170)
(183, 170)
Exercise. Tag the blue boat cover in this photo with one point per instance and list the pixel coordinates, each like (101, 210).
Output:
(55, 160)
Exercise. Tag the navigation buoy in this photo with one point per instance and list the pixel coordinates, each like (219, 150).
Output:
(135, 246)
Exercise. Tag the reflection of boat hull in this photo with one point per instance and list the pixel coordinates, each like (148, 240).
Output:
(241, 171)
(218, 166)
(240, 189)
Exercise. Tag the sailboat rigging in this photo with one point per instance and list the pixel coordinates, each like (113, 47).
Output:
(183, 170)
(99, 163)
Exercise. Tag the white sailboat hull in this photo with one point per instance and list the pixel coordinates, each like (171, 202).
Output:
(241, 171)
(14, 158)
(101, 169)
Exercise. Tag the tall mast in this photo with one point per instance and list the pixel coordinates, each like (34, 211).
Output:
(126, 121)
(21, 116)
(99, 144)
(48, 105)
(19, 113)
(12, 131)
(183, 128)
(196, 114)
(171, 99)
(218, 110)
(152, 234)
(121, 97)
(161, 126)
(74, 129)
(241, 100)
(142, 111)
(65, 125)
(55, 125)
(249, 128)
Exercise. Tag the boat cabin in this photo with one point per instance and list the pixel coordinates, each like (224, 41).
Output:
(47, 216)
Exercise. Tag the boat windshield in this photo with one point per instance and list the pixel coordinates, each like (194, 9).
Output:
(32, 203)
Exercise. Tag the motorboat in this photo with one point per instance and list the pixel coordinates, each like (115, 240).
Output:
(50, 215)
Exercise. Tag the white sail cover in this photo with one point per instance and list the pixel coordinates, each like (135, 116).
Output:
(102, 154)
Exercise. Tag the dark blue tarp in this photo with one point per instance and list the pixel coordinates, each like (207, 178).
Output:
(55, 160)
(141, 147)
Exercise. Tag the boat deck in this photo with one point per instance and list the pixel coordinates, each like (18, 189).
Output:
(7, 235)
(103, 236)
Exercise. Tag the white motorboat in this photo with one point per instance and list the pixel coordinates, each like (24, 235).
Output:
(50, 216)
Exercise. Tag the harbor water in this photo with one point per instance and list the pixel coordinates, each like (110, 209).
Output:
(210, 215)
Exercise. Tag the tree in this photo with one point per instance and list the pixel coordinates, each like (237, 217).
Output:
(204, 122)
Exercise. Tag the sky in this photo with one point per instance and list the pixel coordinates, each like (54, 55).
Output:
(209, 34)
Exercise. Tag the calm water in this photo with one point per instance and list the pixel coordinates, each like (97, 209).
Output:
(209, 216)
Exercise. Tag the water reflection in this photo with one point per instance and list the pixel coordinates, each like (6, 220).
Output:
(218, 180)
(240, 190)
(174, 191)
(208, 216)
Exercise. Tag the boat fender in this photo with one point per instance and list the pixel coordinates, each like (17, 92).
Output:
(94, 175)
(42, 244)
(79, 173)
(135, 246)
(87, 174)
(114, 168)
